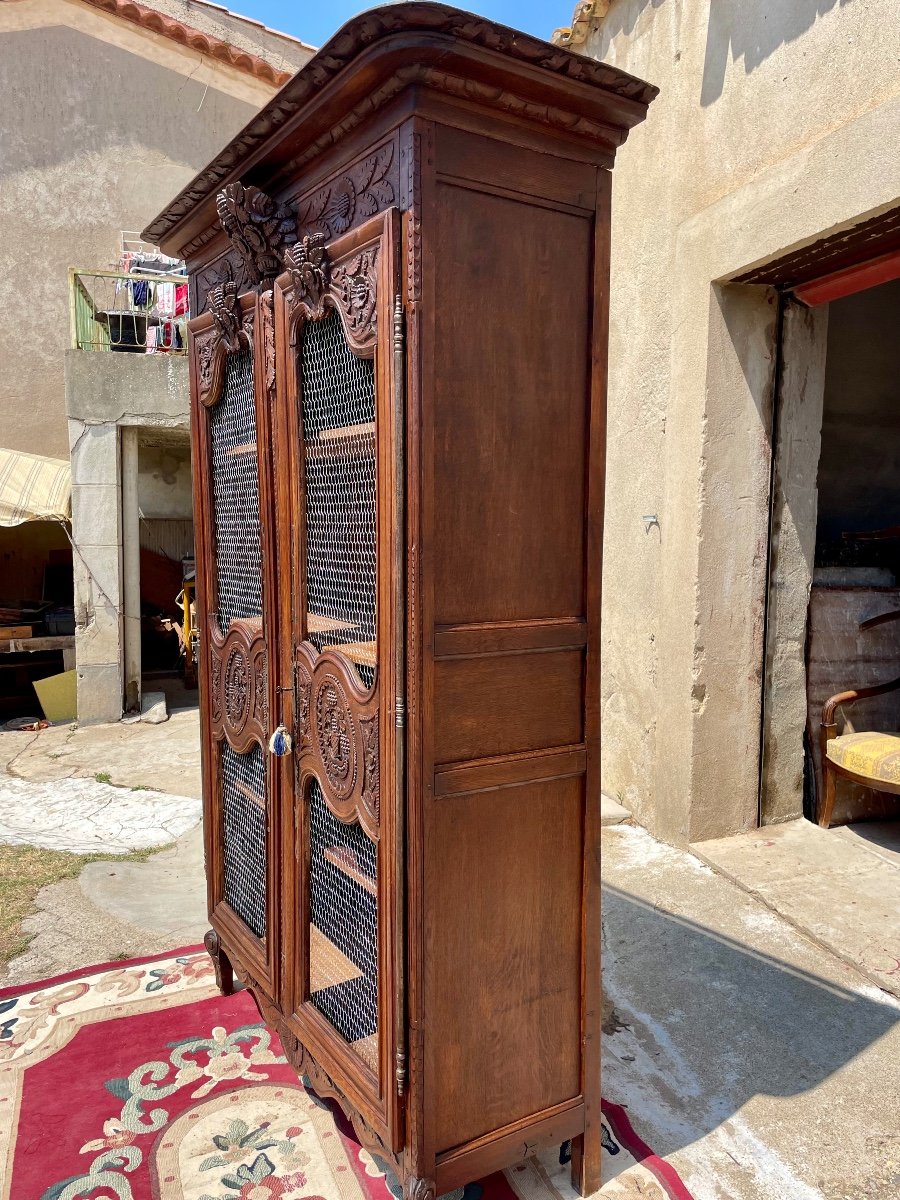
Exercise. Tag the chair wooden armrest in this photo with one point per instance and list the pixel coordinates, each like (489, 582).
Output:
(850, 696)
(828, 731)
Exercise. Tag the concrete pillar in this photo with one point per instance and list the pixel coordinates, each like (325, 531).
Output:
(714, 552)
(131, 567)
(795, 500)
(97, 540)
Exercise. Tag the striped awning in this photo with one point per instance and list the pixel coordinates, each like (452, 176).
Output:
(33, 488)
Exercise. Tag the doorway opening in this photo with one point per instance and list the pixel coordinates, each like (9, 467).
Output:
(834, 589)
(853, 626)
(158, 552)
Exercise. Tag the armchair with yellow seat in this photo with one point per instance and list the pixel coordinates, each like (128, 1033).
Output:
(869, 758)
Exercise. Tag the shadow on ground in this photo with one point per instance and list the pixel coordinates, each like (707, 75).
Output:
(762, 1076)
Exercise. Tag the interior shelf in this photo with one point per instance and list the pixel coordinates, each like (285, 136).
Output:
(317, 623)
(363, 653)
(344, 441)
(327, 964)
(249, 793)
(345, 860)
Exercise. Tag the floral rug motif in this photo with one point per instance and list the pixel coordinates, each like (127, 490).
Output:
(138, 1081)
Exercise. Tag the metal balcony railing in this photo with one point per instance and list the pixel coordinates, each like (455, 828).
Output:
(130, 313)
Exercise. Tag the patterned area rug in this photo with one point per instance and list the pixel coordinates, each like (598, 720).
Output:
(138, 1081)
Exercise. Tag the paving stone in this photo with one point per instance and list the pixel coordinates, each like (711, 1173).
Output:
(88, 817)
(153, 708)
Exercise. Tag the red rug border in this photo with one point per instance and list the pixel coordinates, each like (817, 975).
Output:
(22, 989)
(641, 1152)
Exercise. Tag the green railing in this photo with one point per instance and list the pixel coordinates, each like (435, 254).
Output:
(129, 313)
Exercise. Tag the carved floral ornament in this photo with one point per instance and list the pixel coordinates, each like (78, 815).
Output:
(258, 228)
(349, 286)
(231, 332)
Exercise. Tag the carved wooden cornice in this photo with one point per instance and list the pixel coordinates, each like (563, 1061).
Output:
(348, 286)
(258, 228)
(444, 31)
(584, 21)
(231, 332)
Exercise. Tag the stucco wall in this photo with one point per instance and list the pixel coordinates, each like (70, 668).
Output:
(775, 124)
(164, 481)
(103, 124)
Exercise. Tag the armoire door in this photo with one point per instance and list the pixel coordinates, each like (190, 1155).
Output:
(339, 494)
(233, 529)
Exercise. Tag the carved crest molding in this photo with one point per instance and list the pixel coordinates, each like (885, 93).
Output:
(239, 691)
(230, 332)
(337, 737)
(259, 229)
(348, 286)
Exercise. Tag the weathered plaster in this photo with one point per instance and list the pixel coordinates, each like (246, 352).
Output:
(798, 444)
(744, 157)
(103, 123)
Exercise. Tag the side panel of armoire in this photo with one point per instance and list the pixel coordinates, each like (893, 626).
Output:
(511, 458)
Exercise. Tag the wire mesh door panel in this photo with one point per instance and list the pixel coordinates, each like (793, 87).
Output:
(343, 927)
(238, 589)
(338, 423)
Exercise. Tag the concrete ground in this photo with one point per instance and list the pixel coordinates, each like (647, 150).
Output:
(760, 1063)
(840, 886)
(114, 909)
(764, 1063)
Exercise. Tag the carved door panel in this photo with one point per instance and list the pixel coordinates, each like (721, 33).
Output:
(234, 503)
(334, 310)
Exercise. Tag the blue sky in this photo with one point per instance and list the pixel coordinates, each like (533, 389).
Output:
(315, 22)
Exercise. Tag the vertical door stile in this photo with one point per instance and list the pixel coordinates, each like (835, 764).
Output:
(398, 572)
(338, 343)
(234, 499)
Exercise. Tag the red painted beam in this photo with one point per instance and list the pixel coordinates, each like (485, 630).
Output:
(858, 278)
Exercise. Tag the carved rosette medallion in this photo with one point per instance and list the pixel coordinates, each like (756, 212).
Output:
(336, 736)
(236, 691)
(354, 284)
(371, 795)
(239, 699)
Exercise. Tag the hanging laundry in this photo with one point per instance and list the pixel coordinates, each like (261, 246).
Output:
(140, 293)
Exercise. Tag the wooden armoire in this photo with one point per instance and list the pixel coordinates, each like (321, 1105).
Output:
(399, 275)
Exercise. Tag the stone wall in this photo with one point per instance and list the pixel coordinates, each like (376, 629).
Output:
(775, 125)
